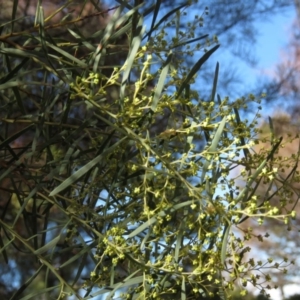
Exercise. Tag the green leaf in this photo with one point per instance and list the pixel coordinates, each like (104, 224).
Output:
(40, 22)
(216, 139)
(196, 68)
(34, 294)
(5, 143)
(123, 284)
(213, 147)
(155, 14)
(86, 248)
(135, 45)
(184, 43)
(4, 246)
(242, 139)
(80, 63)
(49, 246)
(83, 170)
(19, 292)
(161, 82)
(214, 89)
(163, 19)
(242, 196)
(14, 71)
(225, 243)
(179, 242)
(183, 290)
(13, 15)
(153, 220)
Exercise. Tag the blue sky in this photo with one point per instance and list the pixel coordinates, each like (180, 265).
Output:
(273, 37)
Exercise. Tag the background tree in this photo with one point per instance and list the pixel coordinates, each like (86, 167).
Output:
(283, 85)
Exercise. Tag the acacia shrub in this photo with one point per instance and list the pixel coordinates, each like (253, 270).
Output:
(103, 205)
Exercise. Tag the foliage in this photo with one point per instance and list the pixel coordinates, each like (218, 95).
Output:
(283, 192)
(294, 297)
(115, 177)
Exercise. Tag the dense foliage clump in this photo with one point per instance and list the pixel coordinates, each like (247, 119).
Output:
(117, 177)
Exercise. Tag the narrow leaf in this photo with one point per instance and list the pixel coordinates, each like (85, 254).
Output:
(13, 137)
(13, 15)
(163, 19)
(155, 14)
(33, 295)
(183, 290)
(79, 254)
(196, 68)
(217, 136)
(242, 139)
(224, 243)
(48, 246)
(161, 82)
(243, 193)
(153, 220)
(190, 41)
(136, 41)
(82, 171)
(27, 283)
(213, 146)
(214, 89)
(14, 71)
